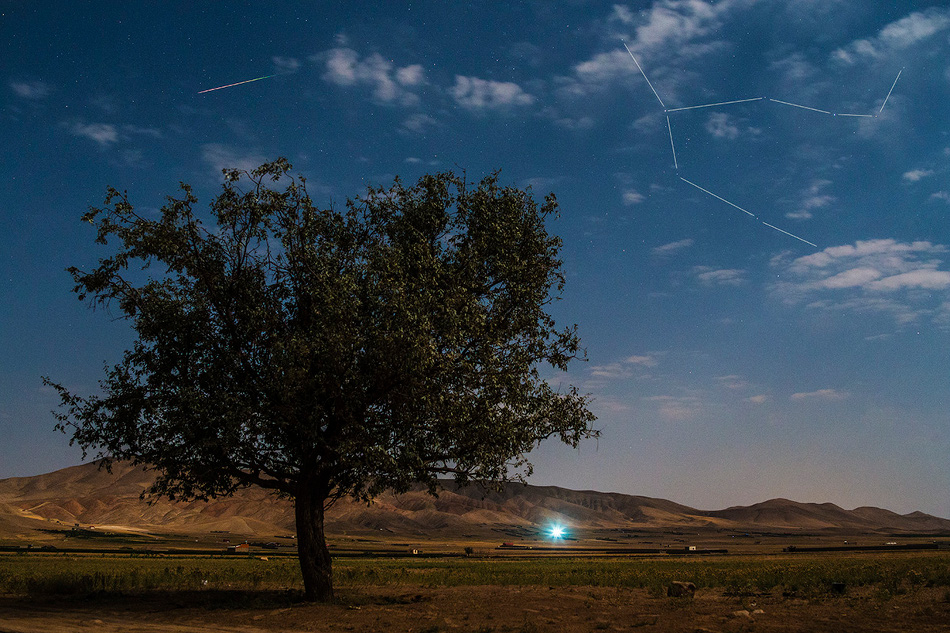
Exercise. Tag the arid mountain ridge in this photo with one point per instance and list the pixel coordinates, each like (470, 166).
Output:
(87, 495)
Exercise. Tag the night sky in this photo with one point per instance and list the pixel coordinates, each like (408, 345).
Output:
(729, 362)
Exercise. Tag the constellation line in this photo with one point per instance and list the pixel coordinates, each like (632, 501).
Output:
(796, 105)
(663, 105)
(888, 92)
(672, 147)
(788, 234)
(709, 105)
(669, 128)
(717, 197)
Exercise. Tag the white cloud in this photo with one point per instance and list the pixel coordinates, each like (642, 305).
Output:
(719, 277)
(411, 75)
(941, 195)
(104, 134)
(478, 94)
(896, 36)
(759, 399)
(388, 83)
(622, 369)
(813, 197)
(672, 247)
(721, 125)
(598, 70)
(143, 131)
(286, 64)
(613, 370)
(30, 89)
(568, 123)
(646, 361)
(412, 160)
(851, 278)
(672, 23)
(631, 197)
(677, 409)
(821, 394)
(794, 69)
(419, 122)
(883, 276)
(662, 37)
(733, 381)
(929, 279)
(917, 174)
(221, 157)
(622, 13)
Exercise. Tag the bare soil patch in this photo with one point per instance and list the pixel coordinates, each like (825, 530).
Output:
(481, 609)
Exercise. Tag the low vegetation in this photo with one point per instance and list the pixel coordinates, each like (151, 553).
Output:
(886, 575)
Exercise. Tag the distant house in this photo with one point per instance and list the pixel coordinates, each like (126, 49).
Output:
(243, 548)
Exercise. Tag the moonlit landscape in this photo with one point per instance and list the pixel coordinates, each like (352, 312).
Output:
(754, 206)
(729, 363)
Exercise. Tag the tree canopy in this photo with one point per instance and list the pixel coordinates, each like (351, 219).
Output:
(324, 353)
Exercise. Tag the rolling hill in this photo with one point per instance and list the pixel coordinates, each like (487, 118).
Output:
(86, 495)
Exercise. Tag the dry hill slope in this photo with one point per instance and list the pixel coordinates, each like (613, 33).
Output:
(91, 496)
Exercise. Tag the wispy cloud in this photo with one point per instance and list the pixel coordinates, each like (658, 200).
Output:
(897, 36)
(419, 123)
(870, 276)
(673, 247)
(941, 195)
(733, 382)
(632, 196)
(664, 36)
(612, 370)
(286, 64)
(758, 399)
(645, 361)
(917, 174)
(105, 134)
(481, 94)
(722, 126)
(821, 394)
(389, 83)
(624, 368)
(575, 124)
(223, 157)
(677, 408)
(30, 89)
(709, 276)
(142, 130)
(813, 197)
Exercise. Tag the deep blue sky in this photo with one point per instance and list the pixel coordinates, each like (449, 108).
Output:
(730, 363)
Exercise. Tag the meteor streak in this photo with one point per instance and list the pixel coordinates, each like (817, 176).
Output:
(235, 84)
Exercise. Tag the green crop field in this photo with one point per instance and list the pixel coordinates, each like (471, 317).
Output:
(807, 575)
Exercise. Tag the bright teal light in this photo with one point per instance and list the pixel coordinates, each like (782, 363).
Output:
(557, 531)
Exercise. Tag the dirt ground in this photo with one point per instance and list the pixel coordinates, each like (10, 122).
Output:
(476, 609)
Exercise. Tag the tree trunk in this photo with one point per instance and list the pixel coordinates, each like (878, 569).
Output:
(315, 562)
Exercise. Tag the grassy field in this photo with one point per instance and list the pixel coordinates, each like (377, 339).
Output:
(888, 574)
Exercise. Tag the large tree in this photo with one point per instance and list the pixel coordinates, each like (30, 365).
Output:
(325, 353)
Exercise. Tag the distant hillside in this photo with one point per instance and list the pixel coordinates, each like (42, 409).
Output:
(90, 496)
